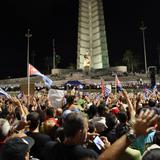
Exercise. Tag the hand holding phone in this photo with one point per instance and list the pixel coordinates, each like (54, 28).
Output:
(99, 143)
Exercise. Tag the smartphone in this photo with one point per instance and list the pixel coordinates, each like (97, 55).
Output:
(98, 142)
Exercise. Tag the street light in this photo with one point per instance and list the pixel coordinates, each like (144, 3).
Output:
(143, 28)
(54, 54)
(28, 35)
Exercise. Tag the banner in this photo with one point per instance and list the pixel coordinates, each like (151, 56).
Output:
(56, 97)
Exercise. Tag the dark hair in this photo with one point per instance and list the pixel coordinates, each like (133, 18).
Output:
(92, 111)
(34, 119)
(101, 109)
(122, 117)
(70, 99)
(73, 123)
(110, 121)
(91, 126)
(49, 112)
(151, 103)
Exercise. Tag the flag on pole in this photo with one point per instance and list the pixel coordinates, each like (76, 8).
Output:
(2, 92)
(118, 84)
(107, 90)
(33, 71)
(146, 93)
(48, 82)
(20, 95)
(102, 88)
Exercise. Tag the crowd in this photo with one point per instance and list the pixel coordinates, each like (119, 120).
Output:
(85, 126)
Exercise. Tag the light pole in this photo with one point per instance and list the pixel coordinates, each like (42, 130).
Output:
(28, 35)
(54, 54)
(143, 28)
(33, 57)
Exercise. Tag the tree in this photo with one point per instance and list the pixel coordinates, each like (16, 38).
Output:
(58, 59)
(48, 63)
(72, 66)
(131, 60)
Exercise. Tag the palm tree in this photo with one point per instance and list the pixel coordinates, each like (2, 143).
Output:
(130, 59)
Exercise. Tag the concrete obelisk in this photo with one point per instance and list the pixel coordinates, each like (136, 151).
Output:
(92, 52)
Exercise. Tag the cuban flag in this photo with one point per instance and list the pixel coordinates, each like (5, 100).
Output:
(107, 90)
(48, 82)
(33, 71)
(20, 95)
(146, 93)
(2, 92)
(118, 84)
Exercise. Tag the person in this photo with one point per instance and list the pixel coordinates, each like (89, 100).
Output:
(122, 127)
(16, 149)
(110, 131)
(49, 123)
(139, 128)
(70, 105)
(75, 132)
(152, 153)
(39, 138)
(4, 130)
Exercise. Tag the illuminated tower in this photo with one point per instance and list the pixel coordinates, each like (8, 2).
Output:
(91, 36)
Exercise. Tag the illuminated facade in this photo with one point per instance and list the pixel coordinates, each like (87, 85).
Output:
(91, 36)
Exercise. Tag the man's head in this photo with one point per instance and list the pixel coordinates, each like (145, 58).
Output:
(111, 121)
(76, 126)
(34, 119)
(49, 112)
(70, 99)
(152, 153)
(17, 149)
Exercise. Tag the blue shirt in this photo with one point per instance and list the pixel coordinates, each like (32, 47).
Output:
(141, 142)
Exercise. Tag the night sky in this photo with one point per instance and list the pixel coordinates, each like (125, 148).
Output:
(58, 19)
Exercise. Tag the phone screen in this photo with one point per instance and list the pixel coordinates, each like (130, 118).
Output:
(98, 142)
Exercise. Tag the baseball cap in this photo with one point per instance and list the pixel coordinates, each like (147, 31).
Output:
(16, 148)
(100, 124)
(115, 110)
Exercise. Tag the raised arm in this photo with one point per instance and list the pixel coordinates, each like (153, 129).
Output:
(131, 108)
(140, 127)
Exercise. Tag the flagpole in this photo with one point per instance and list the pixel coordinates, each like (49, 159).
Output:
(115, 86)
(54, 54)
(28, 35)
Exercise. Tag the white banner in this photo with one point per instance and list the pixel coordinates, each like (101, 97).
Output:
(56, 97)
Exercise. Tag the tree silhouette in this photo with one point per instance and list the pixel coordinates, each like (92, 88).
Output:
(131, 60)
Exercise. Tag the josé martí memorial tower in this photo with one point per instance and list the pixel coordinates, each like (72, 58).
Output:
(92, 52)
